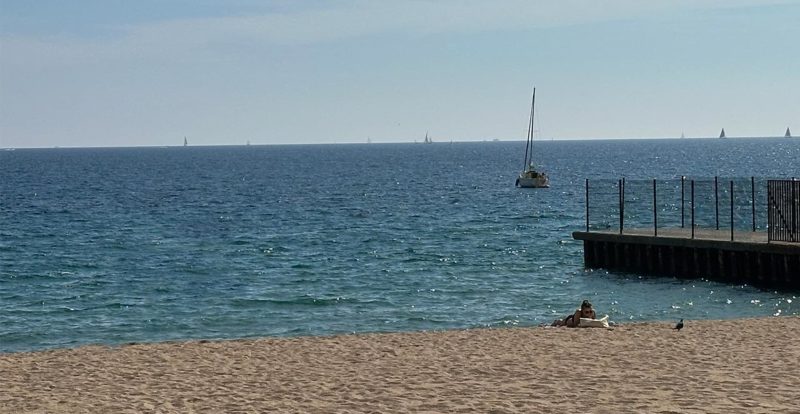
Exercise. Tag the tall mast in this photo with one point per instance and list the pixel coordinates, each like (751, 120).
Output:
(529, 137)
(533, 104)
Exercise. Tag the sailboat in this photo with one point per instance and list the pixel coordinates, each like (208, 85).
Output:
(428, 140)
(683, 135)
(529, 177)
(788, 133)
(185, 142)
(722, 133)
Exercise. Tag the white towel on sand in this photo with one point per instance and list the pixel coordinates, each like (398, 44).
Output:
(594, 323)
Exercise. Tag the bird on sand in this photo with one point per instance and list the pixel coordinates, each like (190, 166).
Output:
(679, 325)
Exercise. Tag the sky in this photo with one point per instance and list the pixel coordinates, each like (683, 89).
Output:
(89, 73)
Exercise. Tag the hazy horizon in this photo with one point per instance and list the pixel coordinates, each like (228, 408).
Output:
(510, 140)
(98, 73)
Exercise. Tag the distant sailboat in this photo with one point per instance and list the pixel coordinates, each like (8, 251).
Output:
(722, 133)
(428, 140)
(529, 177)
(788, 133)
(185, 142)
(683, 135)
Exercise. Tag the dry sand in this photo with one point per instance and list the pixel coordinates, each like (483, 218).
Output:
(740, 366)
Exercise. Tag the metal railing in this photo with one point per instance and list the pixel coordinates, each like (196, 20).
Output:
(784, 210)
(671, 203)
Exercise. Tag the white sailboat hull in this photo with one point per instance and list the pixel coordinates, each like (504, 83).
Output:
(535, 180)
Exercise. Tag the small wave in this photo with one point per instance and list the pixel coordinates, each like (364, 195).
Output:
(360, 214)
(273, 249)
(112, 305)
(427, 319)
(505, 320)
(300, 300)
(196, 270)
(13, 341)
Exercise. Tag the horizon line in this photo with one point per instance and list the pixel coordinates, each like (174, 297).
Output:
(373, 142)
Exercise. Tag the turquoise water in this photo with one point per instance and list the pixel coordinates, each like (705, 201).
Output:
(149, 244)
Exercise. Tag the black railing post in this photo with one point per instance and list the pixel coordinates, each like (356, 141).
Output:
(793, 206)
(683, 183)
(622, 205)
(770, 218)
(716, 199)
(753, 197)
(587, 205)
(692, 208)
(655, 210)
(619, 201)
(731, 210)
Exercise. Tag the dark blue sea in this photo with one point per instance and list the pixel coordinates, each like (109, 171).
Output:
(117, 245)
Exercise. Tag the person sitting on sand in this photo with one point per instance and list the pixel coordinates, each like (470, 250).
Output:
(574, 320)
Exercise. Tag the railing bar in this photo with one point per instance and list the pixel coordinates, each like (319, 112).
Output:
(692, 183)
(716, 200)
(683, 184)
(731, 210)
(655, 210)
(587, 205)
(753, 198)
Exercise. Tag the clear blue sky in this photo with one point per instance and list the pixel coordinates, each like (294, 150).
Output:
(149, 72)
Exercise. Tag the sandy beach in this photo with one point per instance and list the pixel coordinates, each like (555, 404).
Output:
(745, 365)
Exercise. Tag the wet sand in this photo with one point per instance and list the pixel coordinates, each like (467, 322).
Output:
(739, 366)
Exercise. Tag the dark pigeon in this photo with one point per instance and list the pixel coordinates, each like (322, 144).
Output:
(679, 326)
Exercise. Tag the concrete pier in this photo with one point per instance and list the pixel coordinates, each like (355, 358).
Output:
(747, 259)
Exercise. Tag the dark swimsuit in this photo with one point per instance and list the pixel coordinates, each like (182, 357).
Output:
(570, 317)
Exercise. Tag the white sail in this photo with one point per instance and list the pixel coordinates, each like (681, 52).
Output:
(722, 133)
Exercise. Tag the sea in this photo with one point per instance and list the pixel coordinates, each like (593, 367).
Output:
(119, 245)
